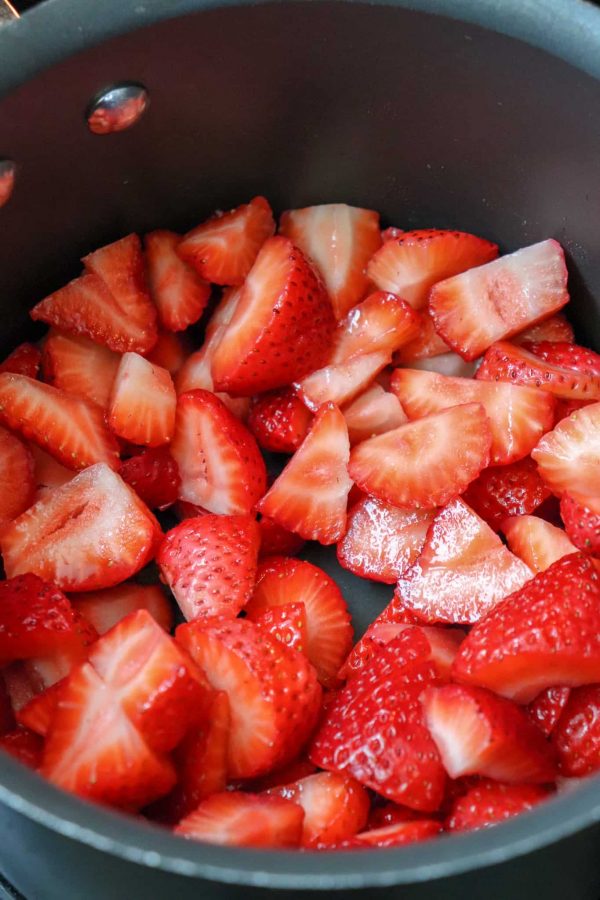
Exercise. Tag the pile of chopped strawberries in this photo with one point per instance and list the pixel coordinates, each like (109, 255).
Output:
(438, 425)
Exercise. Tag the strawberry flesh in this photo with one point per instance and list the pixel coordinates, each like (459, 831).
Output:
(179, 293)
(237, 819)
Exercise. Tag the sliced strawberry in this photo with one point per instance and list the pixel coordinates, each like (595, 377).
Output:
(518, 416)
(275, 540)
(17, 476)
(104, 609)
(222, 250)
(281, 328)
(170, 351)
(154, 476)
(504, 361)
(279, 421)
(48, 473)
(293, 771)
(94, 750)
(567, 355)
(38, 714)
(79, 366)
(91, 533)
(427, 462)
(547, 633)
(310, 495)
(209, 564)
(398, 835)
(24, 360)
(576, 737)
(341, 382)
(426, 345)
(24, 745)
(378, 736)
(274, 696)
(280, 581)
(340, 240)
(537, 542)
(546, 709)
(287, 623)
(463, 572)
(142, 402)
(179, 294)
(51, 669)
(69, 428)
(373, 412)
(220, 464)
(489, 803)
(382, 541)
(568, 456)
(382, 322)
(450, 364)
(581, 524)
(237, 819)
(555, 328)
(500, 491)
(412, 263)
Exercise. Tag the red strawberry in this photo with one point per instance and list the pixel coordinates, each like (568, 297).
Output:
(340, 240)
(382, 322)
(244, 820)
(24, 745)
(556, 328)
(566, 355)
(576, 737)
(274, 696)
(104, 609)
(489, 803)
(546, 633)
(382, 541)
(581, 524)
(374, 729)
(154, 476)
(478, 733)
(69, 428)
(373, 412)
(463, 572)
(38, 714)
(293, 771)
(209, 564)
(341, 382)
(546, 709)
(281, 581)
(276, 540)
(48, 473)
(410, 265)
(91, 533)
(223, 248)
(502, 491)
(170, 351)
(17, 478)
(427, 462)
(279, 421)
(504, 361)
(426, 345)
(391, 814)
(179, 294)
(398, 834)
(537, 542)
(95, 751)
(518, 416)
(79, 366)
(142, 402)
(443, 646)
(287, 623)
(24, 360)
(310, 495)
(568, 456)
(220, 464)
(281, 328)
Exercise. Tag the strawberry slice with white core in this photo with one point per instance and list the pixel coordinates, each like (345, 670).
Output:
(341, 382)
(427, 343)
(92, 532)
(311, 494)
(142, 403)
(70, 428)
(504, 361)
(427, 462)
(238, 819)
(537, 542)
(501, 298)
(179, 294)
(413, 262)
(381, 322)
(340, 240)
(556, 328)
(17, 476)
(373, 412)
(104, 609)
(445, 364)
(79, 366)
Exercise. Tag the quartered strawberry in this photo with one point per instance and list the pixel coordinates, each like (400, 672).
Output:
(220, 465)
(495, 301)
(544, 634)
(427, 343)
(274, 695)
(70, 428)
(287, 623)
(490, 802)
(179, 293)
(398, 834)
(275, 540)
(427, 462)
(381, 322)
(413, 262)
(381, 540)
(373, 412)
(281, 581)
(518, 416)
(537, 542)
(142, 402)
(95, 751)
(582, 524)
(504, 361)
(555, 328)
(238, 819)
(340, 240)
(38, 714)
(567, 457)
(279, 421)
(310, 495)
(546, 709)
(17, 476)
(281, 328)
(567, 355)
(106, 608)
(154, 476)
(502, 491)
(341, 382)
(223, 249)
(463, 572)
(374, 729)
(478, 733)
(92, 532)
(24, 360)
(209, 564)
(24, 745)
(79, 366)
(576, 736)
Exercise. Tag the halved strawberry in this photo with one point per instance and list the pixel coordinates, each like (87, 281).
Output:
(576, 737)
(340, 240)
(179, 294)
(79, 366)
(209, 564)
(279, 421)
(504, 361)
(427, 462)
(373, 412)
(274, 695)
(275, 540)
(341, 382)
(92, 532)
(495, 301)
(69, 428)
(222, 249)
(154, 476)
(287, 623)
(106, 608)
(567, 355)
(24, 745)
(412, 263)
(555, 328)
(503, 491)
(381, 540)
(427, 343)
(398, 835)
(546, 709)
(463, 572)
(310, 495)
(95, 751)
(582, 524)
(281, 328)
(490, 802)
(280, 581)
(537, 542)
(142, 402)
(518, 416)
(381, 322)
(24, 360)
(17, 476)
(220, 465)
(568, 456)
(237, 819)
